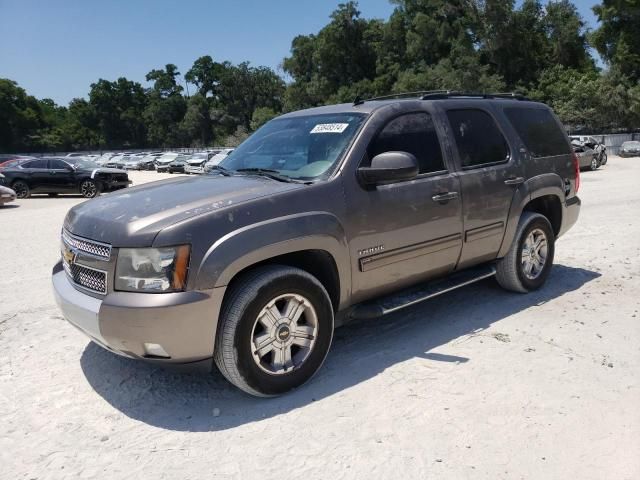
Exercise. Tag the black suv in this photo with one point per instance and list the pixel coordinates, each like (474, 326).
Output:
(54, 175)
(321, 216)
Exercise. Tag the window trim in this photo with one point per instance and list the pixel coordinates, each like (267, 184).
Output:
(509, 158)
(445, 171)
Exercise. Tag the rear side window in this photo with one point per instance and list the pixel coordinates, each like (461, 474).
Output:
(539, 131)
(35, 164)
(478, 138)
(412, 133)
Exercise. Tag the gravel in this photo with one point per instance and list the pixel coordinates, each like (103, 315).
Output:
(424, 393)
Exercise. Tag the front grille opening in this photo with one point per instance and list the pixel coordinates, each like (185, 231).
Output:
(89, 278)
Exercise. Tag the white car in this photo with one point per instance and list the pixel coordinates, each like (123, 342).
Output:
(195, 163)
(216, 159)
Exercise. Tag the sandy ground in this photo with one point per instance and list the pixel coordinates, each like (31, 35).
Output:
(479, 383)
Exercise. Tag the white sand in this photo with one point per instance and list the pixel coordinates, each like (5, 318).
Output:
(479, 383)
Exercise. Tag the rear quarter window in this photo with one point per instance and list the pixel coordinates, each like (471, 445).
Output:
(539, 131)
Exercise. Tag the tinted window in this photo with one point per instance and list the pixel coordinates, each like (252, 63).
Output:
(35, 164)
(538, 130)
(477, 137)
(58, 165)
(413, 133)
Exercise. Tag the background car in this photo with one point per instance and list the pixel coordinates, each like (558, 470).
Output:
(630, 149)
(195, 162)
(600, 150)
(163, 161)
(104, 158)
(118, 161)
(6, 194)
(54, 175)
(586, 156)
(216, 159)
(177, 166)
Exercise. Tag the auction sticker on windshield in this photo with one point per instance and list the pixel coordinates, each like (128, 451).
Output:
(330, 128)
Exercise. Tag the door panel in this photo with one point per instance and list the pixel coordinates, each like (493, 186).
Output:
(399, 233)
(486, 161)
(402, 236)
(60, 177)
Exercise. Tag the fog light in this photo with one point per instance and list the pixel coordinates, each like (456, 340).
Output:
(155, 350)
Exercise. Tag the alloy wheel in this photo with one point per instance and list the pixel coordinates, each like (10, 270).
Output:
(534, 254)
(284, 334)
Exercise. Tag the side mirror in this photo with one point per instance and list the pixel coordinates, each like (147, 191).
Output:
(389, 167)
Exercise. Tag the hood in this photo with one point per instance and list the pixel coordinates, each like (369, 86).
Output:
(132, 217)
(101, 170)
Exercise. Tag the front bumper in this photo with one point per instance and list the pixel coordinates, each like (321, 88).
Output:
(183, 324)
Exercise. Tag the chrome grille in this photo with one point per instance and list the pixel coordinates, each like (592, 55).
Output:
(89, 278)
(91, 247)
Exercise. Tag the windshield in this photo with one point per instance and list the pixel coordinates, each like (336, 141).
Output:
(302, 148)
(631, 144)
(79, 163)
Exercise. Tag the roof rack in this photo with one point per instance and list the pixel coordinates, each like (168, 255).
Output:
(456, 94)
(441, 95)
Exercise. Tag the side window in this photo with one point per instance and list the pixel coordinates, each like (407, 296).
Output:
(413, 133)
(477, 137)
(538, 130)
(35, 164)
(58, 165)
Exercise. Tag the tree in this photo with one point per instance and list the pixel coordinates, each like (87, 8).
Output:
(165, 108)
(618, 37)
(119, 108)
(567, 36)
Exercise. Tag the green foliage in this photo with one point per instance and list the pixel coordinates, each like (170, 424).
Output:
(618, 37)
(470, 45)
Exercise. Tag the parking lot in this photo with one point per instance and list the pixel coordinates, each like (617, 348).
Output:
(479, 383)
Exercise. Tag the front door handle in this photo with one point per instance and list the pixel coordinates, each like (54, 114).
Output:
(445, 197)
(514, 181)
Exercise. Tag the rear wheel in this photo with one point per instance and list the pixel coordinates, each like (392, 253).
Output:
(21, 189)
(275, 330)
(89, 188)
(528, 262)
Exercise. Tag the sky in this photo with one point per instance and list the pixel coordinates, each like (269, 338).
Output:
(57, 48)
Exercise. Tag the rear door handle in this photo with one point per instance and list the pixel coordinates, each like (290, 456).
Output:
(445, 197)
(514, 181)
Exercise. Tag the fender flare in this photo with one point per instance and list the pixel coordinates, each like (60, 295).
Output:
(261, 241)
(535, 187)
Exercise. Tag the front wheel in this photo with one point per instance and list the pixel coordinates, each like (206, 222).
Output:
(275, 330)
(528, 262)
(594, 164)
(603, 158)
(89, 188)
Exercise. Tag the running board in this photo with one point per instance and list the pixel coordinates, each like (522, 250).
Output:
(420, 293)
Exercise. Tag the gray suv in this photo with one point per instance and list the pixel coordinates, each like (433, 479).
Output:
(322, 216)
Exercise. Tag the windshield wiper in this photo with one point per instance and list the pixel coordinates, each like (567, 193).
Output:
(224, 171)
(266, 172)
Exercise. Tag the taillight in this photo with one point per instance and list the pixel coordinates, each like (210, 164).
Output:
(576, 165)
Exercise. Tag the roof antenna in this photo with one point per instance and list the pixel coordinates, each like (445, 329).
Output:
(358, 100)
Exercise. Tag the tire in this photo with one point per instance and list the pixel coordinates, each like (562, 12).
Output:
(89, 188)
(603, 158)
(511, 271)
(21, 188)
(594, 164)
(240, 328)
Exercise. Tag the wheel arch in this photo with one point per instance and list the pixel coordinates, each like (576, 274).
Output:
(314, 242)
(543, 194)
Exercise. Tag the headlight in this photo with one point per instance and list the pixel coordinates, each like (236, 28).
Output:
(153, 270)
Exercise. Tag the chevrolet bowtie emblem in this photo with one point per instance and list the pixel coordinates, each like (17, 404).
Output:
(68, 255)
